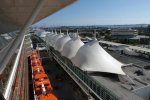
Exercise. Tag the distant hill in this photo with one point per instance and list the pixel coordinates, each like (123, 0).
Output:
(101, 26)
(125, 26)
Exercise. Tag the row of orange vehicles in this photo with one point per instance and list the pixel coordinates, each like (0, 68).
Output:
(42, 86)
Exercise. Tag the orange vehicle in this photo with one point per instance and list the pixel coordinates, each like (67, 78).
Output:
(39, 84)
(42, 85)
(34, 52)
(40, 77)
(48, 97)
(36, 62)
(34, 56)
(38, 70)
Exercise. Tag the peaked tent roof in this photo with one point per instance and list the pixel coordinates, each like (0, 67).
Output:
(71, 47)
(51, 38)
(47, 38)
(55, 38)
(48, 35)
(43, 34)
(61, 42)
(92, 57)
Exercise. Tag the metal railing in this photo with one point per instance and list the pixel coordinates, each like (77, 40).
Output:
(8, 81)
(89, 83)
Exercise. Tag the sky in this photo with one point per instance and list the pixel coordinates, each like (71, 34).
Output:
(100, 12)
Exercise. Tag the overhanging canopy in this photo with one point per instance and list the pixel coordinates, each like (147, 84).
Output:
(14, 13)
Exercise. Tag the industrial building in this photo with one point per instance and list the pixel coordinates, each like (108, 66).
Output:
(123, 33)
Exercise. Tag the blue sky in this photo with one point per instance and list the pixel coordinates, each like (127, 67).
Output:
(101, 12)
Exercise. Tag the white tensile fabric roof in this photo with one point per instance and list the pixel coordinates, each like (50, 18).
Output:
(93, 58)
(61, 42)
(47, 38)
(51, 38)
(55, 38)
(71, 47)
(43, 34)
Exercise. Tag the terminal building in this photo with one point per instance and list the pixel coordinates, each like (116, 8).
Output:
(123, 33)
(128, 36)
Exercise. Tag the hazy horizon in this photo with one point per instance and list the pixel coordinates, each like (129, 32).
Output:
(92, 25)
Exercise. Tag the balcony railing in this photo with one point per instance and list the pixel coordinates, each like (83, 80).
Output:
(11, 76)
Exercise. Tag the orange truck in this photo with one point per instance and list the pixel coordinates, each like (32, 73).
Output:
(34, 56)
(38, 87)
(38, 70)
(48, 97)
(40, 76)
(35, 62)
(42, 85)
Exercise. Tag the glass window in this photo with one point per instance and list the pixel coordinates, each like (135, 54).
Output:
(3, 42)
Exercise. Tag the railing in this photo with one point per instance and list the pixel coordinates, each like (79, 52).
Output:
(89, 83)
(13, 80)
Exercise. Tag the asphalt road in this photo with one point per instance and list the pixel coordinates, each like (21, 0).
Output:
(129, 59)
